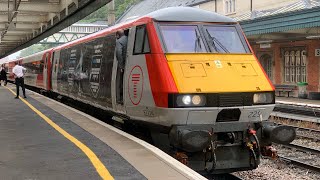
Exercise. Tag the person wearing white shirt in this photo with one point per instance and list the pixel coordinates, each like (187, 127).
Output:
(18, 72)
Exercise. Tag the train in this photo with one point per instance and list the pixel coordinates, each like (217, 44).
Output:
(190, 77)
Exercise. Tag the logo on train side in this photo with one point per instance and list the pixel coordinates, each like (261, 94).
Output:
(135, 85)
(95, 75)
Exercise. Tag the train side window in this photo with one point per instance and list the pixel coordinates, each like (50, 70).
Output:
(141, 43)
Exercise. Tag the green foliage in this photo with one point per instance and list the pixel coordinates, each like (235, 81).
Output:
(122, 5)
(99, 15)
(102, 13)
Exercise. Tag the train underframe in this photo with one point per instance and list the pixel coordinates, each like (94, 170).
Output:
(226, 147)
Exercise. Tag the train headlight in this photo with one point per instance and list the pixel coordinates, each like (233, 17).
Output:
(196, 100)
(186, 100)
(263, 98)
(190, 100)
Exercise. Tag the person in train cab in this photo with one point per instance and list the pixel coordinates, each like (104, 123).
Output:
(121, 53)
(18, 72)
(3, 75)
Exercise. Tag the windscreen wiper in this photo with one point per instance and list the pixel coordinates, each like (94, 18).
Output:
(214, 39)
(197, 42)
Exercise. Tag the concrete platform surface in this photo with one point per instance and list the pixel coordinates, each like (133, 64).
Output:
(298, 101)
(33, 149)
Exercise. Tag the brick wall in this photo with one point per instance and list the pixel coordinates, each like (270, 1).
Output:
(278, 62)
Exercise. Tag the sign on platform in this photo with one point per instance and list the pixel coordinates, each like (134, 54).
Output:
(265, 46)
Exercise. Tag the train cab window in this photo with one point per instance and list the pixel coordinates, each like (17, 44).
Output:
(182, 38)
(141, 43)
(226, 39)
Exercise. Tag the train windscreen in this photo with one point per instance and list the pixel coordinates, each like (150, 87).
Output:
(182, 39)
(225, 39)
(203, 39)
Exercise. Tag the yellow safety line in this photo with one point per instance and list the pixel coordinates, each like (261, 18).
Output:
(101, 169)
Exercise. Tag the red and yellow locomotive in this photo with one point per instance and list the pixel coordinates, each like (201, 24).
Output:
(189, 74)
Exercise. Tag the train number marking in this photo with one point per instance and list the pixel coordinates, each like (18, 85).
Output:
(254, 114)
(148, 113)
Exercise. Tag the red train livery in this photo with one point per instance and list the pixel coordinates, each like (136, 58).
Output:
(189, 71)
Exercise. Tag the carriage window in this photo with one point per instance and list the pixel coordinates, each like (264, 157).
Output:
(182, 39)
(141, 45)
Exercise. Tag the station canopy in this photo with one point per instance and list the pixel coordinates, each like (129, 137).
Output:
(26, 22)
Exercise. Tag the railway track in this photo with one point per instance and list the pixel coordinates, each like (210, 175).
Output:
(298, 110)
(300, 164)
(297, 113)
(306, 133)
(302, 148)
(303, 133)
(305, 129)
(307, 137)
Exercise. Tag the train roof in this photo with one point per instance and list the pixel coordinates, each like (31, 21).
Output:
(171, 14)
(188, 14)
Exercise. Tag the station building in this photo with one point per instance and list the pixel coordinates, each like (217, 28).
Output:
(284, 35)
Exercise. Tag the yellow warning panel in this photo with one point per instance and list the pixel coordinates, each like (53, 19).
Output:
(214, 73)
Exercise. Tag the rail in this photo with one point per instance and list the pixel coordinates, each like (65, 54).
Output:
(301, 128)
(302, 148)
(303, 111)
(300, 164)
(307, 137)
(297, 162)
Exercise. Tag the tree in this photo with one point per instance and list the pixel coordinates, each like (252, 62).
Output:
(122, 5)
(98, 15)
(102, 13)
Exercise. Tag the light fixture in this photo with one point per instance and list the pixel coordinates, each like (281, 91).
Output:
(264, 42)
(313, 37)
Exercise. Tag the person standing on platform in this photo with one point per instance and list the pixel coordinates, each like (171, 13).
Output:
(18, 72)
(3, 75)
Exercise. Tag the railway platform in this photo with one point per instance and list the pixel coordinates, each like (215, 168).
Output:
(297, 109)
(44, 139)
(298, 102)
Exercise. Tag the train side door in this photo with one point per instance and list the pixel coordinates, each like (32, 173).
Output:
(117, 89)
(45, 71)
(55, 69)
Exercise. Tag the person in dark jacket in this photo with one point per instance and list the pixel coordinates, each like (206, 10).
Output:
(3, 75)
(121, 53)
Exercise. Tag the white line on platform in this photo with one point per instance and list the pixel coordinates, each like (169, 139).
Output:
(298, 104)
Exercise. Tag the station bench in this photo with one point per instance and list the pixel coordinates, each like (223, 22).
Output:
(285, 88)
